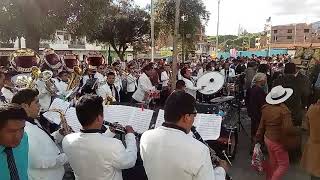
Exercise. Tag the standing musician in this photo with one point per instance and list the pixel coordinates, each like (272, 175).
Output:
(227, 72)
(109, 90)
(145, 86)
(168, 152)
(95, 155)
(62, 83)
(3, 99)
(190, 88)
(131, 81)
(46, 162)
(7, 89)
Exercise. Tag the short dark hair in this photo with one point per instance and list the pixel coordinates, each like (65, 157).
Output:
(180, 84)
(88, 108)
(111, 74)
(290, 68)
(183, 71)
(11, 111)
(25, 96)
(177, 105)
(147, 67)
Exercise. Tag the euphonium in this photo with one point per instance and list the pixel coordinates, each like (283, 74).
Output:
(75, 78)
(46, 76)
(63, 122)
(35, 74)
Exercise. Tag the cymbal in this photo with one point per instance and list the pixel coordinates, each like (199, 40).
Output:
(222, 99)
(213, 82)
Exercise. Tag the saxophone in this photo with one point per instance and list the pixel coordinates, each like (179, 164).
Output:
(63, 123)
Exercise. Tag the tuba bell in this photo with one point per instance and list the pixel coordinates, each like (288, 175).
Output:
(35, 75)
(74, 81)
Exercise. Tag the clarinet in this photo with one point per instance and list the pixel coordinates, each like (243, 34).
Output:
(214, 158)
(119, 129)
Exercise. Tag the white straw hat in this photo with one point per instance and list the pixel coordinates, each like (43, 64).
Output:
(278, 95)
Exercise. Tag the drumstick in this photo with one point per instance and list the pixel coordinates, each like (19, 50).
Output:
(225, 155)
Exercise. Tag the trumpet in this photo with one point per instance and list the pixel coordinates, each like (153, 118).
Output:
(63, 123)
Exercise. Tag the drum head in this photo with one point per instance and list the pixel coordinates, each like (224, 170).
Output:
(212, 81)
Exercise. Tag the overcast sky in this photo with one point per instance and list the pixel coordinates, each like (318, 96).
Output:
(251, 14)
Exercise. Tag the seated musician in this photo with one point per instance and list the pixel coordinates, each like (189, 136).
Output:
(95, 155)
(46, 161)
(169, 152)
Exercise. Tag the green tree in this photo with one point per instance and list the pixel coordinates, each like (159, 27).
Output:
(193, 15)
(122, 25)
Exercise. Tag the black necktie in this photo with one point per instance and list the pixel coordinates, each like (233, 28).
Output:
(11, 164)
(3, 99)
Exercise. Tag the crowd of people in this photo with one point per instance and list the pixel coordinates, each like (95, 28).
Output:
(281, 100)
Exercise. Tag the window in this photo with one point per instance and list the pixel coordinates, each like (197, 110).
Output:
(275, 31)
(289, 30)
(289, 37)
(306, 30)
(275, 38)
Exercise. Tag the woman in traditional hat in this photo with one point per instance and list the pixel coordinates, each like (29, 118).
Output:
(277, 130)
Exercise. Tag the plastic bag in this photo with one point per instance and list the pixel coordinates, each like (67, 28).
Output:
(258, 160)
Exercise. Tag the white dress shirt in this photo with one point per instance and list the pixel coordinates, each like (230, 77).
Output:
(96, 156)
(144, 86)
(164, 79)
(7, 94)
(190, 88)
(131, 83)
(232, 72)
(171, 154)
(61, 87)
(100, 77)
(45, 159)
(44, 96)
(105, 91)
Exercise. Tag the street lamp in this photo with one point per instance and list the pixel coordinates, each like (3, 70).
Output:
(218, 23)
(152, 30)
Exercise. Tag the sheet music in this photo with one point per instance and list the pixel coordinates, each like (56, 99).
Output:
(209, 126)
(58, 104)
(140, 121)
(126, 115)
(160, 118)
(72, 119)
(118, 113)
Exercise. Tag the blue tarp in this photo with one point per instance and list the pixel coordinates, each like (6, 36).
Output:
(262, 53)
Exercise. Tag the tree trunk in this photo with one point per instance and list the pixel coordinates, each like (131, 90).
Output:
(33, 41)
(175, 46)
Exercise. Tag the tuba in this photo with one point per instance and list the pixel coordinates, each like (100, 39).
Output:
(75, 79)
(63, 123)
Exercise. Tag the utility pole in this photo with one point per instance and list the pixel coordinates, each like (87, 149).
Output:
(218, 23)
(175, 46)
(152, 30)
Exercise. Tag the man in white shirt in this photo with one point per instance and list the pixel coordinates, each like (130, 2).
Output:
(168, 152)
(144, 85)
(62, 84)
(46, 162)
(190, 87)
(131, 81)
(228, 72)
(109, 89)
(92, 154)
